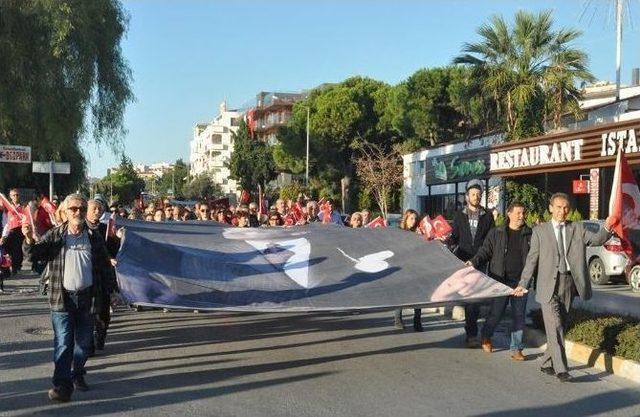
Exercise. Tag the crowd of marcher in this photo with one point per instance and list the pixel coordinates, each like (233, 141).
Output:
(74, 244)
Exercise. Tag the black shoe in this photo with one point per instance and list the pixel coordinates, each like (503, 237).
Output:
(80, 384)
(547, 370)
(564, 377)
(99, 342)
(398, 324)
(60, 394)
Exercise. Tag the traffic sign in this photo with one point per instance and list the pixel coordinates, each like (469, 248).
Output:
(51, 168)
(17, 154)
(45, 167)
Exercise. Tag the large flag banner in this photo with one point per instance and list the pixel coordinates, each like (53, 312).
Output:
(211, 266)
(624, 204)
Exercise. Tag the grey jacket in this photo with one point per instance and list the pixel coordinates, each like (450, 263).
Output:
(543, 254)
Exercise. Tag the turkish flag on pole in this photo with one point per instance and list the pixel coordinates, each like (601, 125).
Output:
(624, 202)
(435, 228)
(48, 206)
(377, 222)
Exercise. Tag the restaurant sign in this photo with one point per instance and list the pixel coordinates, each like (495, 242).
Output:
(459, 166)
(556, 153)
(586, 149)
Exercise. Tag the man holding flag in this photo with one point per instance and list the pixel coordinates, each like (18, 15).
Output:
(557, 253)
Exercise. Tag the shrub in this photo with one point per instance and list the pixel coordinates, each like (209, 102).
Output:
(532, 218)
(599, 333)
(628, 343)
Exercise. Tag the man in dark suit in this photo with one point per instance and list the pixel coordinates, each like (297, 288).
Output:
(470, 227)
(558, 253)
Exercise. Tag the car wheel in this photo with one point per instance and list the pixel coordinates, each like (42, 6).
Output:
(596, 272)
(634, 278)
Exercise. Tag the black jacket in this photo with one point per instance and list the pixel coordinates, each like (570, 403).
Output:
(461, 233)
(494, 251)
(51, 249)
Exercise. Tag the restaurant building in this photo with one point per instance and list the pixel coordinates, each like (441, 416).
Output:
(579, 160)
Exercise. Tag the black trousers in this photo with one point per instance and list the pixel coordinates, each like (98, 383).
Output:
(102, 320)
(13, 246)
(471, 316)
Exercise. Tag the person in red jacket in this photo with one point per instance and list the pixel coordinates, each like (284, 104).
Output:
(12, 232)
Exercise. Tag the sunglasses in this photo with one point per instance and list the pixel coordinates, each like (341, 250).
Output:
(76, 209)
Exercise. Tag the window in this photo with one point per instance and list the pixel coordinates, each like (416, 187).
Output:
(216, 139)
(235, 121)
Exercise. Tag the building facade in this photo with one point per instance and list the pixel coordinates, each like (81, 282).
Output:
(212, 146)
(272, 110)
(577, 159)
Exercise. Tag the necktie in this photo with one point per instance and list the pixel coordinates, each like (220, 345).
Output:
(562, 267)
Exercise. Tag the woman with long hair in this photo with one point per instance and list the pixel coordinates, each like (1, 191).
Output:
(410, 222)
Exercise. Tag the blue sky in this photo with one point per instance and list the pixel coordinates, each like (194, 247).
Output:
(187, 56)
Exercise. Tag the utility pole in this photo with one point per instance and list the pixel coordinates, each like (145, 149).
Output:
(110, 186)
(307, 174)
(618, 45)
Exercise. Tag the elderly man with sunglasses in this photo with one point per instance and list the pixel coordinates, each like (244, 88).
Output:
(78, 273)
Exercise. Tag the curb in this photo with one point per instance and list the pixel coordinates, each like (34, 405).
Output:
(595, 358)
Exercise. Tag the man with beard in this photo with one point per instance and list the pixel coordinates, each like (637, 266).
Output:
(470, 228)
(77, 269)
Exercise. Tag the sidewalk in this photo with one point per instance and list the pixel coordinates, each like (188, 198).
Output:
(613, 298)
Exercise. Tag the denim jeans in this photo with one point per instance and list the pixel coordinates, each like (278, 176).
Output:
(518, 309)
(73, 333)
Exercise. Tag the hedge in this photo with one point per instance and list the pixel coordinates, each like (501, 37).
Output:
(610, 333)
(629, 343)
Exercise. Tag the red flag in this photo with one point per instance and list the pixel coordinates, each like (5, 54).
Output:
(435, 228)
(296, 212)
(441, 226)
(48, 206)
(289, 220)
(624, 203)
(325, 209)
(4, 202)
(377, 222)
(15, 213)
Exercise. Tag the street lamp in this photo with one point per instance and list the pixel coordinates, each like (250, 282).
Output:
(110, 186)
(307, 163)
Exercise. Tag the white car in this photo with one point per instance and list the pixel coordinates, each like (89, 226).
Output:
(605, 262)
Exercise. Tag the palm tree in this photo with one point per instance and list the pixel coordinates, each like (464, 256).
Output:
(529, 71)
